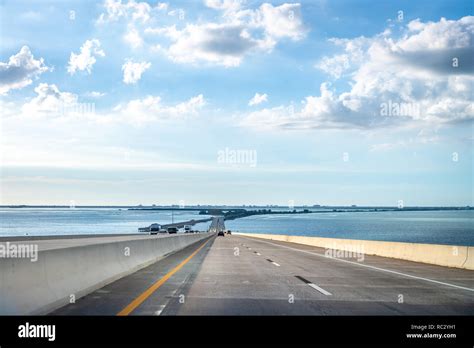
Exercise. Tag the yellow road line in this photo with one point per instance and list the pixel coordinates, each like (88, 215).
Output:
(148, 292)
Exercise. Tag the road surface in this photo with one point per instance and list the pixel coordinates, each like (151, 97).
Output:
(239, 275)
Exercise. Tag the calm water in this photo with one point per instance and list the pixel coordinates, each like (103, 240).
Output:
(439, 227)
(434, 227)
(48, 221)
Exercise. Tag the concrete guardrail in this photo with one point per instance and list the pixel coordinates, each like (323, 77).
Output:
(40, 287)
(435, 254)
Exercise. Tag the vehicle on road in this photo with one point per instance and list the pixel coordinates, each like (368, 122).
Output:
(155, 228)
(229, 232)
(172, 230)
(187, 228)
(163, 231)
(221, 233)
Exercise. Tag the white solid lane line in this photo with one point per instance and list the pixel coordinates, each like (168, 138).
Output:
(368, 266)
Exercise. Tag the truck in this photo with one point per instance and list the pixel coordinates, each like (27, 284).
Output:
(155, 228)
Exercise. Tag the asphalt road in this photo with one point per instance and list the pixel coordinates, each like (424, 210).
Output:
(237, 275)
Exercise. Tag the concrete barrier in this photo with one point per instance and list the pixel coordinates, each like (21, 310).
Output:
(435, 254)
(40, 287)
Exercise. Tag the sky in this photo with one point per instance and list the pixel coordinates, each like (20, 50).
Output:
(237, 102)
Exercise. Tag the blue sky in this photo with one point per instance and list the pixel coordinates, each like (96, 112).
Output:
(236, 102)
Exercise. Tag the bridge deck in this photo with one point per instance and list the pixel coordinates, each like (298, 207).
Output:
(238, 275)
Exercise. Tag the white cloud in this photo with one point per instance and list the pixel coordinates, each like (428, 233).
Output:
(355, 51)
(49, 101)
(135, 11)
(334, 66)
(315, 112)
(20, 70)
(132, 72)
(413, 72)
(258, 99)
(87, 58)
(281, 21)
(117, 9)
(133, 38)
(191, 106)
(439, 35)
(169, 31)
(226, 5)
(239, 33)
(52, 103)
(162, 6)
(222, 44)
(151, 109)
(95, 94)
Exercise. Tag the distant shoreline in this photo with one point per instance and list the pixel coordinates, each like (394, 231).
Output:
(313, 209)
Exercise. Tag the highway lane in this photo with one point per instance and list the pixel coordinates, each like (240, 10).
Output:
(114, 297)
(237, 275)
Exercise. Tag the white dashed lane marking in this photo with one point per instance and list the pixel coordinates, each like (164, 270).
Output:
(158, 312)
(273, 262)
(369, 266)
(314, 286)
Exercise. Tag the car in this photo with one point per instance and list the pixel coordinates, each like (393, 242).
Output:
(163, 231)
(221, 233)
(229, 232)
(172, 230)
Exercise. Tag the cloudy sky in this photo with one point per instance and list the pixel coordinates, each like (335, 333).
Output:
(237, 102)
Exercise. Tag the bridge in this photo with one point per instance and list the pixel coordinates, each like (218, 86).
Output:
(239, 274)
(176, 224)
(217, 224)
